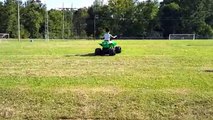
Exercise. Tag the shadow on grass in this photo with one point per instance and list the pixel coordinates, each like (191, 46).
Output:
(198, 45)
(208, 71)
(84, 118)
(82, 55)
(86, 55)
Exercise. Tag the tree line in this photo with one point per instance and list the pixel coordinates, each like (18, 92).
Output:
(125, 18)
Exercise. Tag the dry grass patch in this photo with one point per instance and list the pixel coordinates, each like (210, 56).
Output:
(7, 113)
(180, 91)
(59, 67)
(86, 90)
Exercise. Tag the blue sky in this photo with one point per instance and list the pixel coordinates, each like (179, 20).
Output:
(68, 3)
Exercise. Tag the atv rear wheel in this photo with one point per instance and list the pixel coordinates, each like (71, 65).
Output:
(112, 52)
(98, 51)
(118, 49)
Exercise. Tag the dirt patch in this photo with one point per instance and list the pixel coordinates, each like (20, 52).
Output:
(7, 113)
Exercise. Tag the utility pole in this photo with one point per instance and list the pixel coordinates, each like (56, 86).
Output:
(63, 21)
(19, 31)
(46, 25)
(96, 3)
(95, 17)
(63, 18)
(94, 27)
(71, 22)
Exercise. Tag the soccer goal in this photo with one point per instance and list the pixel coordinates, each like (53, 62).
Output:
(4, 35)
(182, 37)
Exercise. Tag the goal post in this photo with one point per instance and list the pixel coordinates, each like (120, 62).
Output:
(4, 36)
(182, 36)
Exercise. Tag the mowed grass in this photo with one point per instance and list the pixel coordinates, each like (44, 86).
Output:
(63, 80)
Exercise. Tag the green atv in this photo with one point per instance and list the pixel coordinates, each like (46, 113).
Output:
(109, 48)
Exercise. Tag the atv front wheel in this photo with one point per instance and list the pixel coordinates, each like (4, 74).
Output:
(118, 49)
(112, 52)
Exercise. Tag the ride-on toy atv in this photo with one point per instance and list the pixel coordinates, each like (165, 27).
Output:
(109, 48)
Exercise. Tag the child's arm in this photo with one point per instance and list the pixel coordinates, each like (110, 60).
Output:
(113, 36)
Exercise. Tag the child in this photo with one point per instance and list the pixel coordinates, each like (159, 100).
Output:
(107, 36)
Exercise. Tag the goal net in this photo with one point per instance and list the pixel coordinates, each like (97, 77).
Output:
(4, 35)
(182, 37)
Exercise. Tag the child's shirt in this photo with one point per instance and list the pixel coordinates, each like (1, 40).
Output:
(107, 36)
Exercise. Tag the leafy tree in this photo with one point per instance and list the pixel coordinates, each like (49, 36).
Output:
(122, 12)
(129, 18)
(99, 15)
(33, 18)
(105, 20)
(90, 21)
(11, 17)
(55, 24)
(170, 18)
(195, 14)
(79, 21)
(68, 23)
(2, 18)
(209, 18)
(145, 19)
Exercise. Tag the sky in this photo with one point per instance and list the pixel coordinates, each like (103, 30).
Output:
(55, 4)
(69, 3)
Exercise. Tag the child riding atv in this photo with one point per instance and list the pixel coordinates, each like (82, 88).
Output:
(108, 36)
(108, 46)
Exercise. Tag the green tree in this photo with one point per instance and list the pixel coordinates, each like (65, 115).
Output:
(122, 12)
(105, 20)
(2, 18)
(195, 14)
(33, 18)
(90, 21)
(129, 18)
(101, 16)
(11, 17)
(55, 24)
(145, 19)
(68, 21)
(209, 18)
(79, 22)
(170, 18)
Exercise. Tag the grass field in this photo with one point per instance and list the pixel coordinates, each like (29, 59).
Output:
(149, 80)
